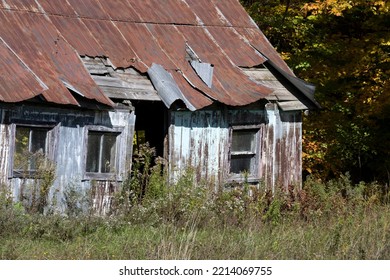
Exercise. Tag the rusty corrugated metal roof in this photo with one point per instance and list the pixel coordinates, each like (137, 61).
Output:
(239, 51)
(120, 10)
(229, 13)
(138, 33)
(49, 56)
(14, 73)
(165, 12)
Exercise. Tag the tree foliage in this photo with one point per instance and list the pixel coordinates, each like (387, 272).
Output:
(343, 47)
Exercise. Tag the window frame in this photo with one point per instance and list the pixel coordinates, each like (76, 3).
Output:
(253, 173)
(50, 146)
(99, 176)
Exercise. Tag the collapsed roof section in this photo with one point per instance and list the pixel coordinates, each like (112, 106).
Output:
(151, 36)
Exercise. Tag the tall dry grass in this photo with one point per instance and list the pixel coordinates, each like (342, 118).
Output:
(188, 220)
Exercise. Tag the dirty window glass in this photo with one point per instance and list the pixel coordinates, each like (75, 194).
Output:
(243, 151)
(101, 154)
(30, 148)
(243, 140)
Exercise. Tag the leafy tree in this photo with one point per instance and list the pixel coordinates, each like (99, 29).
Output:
(343, 48)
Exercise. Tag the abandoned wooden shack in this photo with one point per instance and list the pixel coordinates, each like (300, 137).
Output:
(196, 79)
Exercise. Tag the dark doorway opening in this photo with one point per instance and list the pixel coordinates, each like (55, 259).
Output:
(150, 124)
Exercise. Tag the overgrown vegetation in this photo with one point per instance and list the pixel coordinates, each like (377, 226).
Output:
(188, 220)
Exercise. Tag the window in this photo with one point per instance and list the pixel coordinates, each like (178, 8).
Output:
(243, 153)
(101, 153)
(30, 148)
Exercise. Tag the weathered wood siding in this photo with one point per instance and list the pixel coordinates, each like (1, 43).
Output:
(69, 149)
(201, 140)
(281, 155)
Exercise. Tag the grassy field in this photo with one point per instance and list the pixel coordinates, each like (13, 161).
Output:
(333, 220)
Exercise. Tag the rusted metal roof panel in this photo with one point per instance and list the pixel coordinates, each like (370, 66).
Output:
(157, 11)
(174, 45)
(239, 51)
(57, 7)
(139, 33)
(49, 56)
(231, 13)
(194, 96)
(120, 10)
(261, 43)
(14, 30)
(21, 5)
(230, 86)
(166, 87)
(235, 88)
(145, 47)
(234, 13)
(207, 14)
(89, 9)
(115, 46)
(83, 40)
(17, 81)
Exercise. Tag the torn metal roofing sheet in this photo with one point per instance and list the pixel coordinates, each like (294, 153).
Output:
(115, 46)
(14, 73)
(257, 39)
(138, 34)
(234, 88)
(166, 86)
